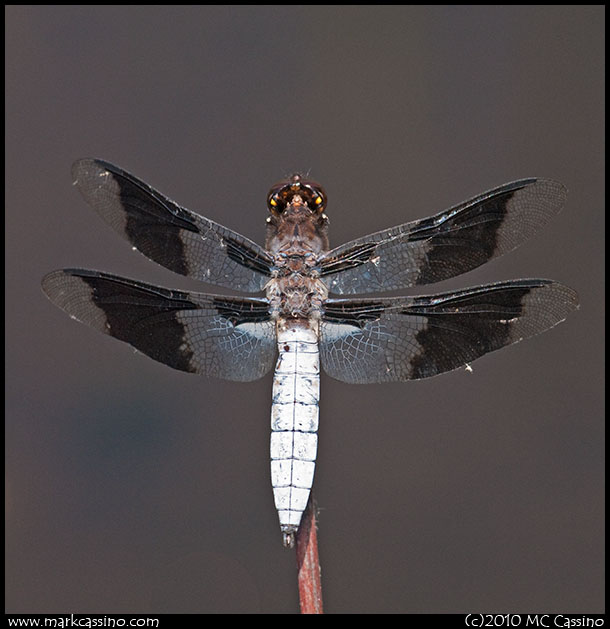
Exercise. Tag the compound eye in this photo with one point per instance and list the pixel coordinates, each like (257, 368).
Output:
(318, 201)
(274, 202)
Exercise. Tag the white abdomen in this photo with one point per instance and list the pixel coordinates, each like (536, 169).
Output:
(294, 422)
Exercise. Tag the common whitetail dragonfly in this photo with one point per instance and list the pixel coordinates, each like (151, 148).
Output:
(356, 339)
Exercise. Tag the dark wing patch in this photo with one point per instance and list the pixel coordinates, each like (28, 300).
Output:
(168, 234)
(407, 338)
(443, 246)
(224, 337)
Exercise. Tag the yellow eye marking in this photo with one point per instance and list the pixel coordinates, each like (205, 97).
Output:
(318, 200)
(272, 202)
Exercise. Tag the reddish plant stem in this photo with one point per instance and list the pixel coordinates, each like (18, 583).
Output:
(308, 562)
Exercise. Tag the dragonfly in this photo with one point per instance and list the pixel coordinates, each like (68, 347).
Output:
(296, 324)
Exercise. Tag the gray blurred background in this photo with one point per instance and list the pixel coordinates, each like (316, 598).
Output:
(135, 488)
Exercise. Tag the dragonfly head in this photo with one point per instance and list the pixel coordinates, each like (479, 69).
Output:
(295, 189)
